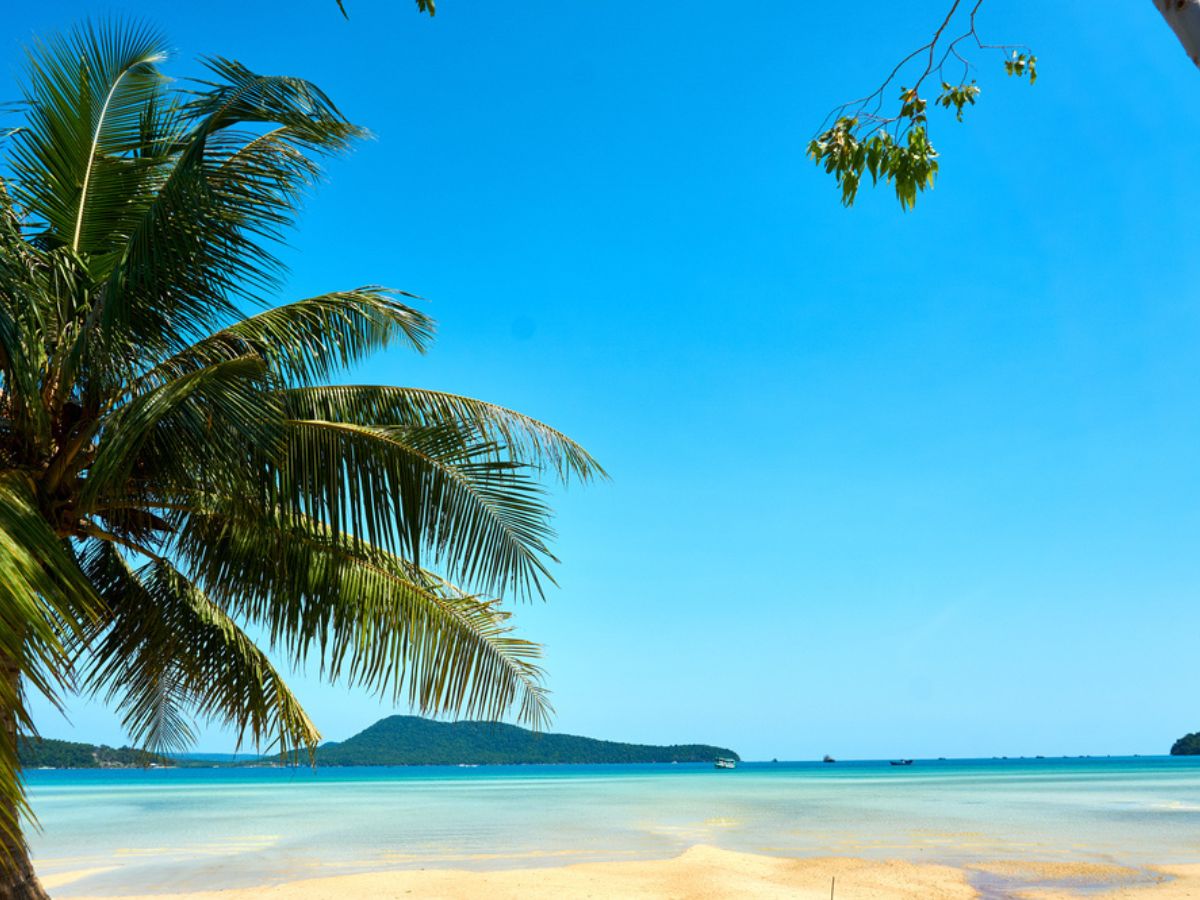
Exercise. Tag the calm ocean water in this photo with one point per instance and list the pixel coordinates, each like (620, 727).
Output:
(172, 829)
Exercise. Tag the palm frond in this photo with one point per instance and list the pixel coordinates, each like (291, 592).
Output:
(44, 600)
(167, 652)
(43, 594)
(240, 95)
(434, 492)
(367, 615)
(225, 193)
(523, 438)
(310, 339)
(22, 348)
(200, 428)
(76, 158)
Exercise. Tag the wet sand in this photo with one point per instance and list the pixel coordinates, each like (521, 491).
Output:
(1087, 880)
(704, 873)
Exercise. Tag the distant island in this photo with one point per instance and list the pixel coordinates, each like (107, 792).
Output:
(45, 753)
(394, 741)
(1188, 745)
(414, 741)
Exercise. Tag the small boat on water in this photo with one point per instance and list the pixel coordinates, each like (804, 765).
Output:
(828, 759)
(723, 763)
(901, 762)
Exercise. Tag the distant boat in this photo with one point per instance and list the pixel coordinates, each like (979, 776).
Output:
(828, 758)
(901, 762)
(723, 763)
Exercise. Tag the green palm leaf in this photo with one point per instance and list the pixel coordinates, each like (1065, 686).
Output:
(524, 438)
(435, 493)
(314, 338)
(23, 414)
(75, 162)
(193, 429)
(166, 652)
(368, 616)
(45, 601)
(44, 597)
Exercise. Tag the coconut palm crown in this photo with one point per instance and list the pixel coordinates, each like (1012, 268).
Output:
(180, 490)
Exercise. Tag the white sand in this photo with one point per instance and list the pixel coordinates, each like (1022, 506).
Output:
(706, 873)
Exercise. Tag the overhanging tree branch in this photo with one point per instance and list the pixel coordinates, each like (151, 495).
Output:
(896, 147)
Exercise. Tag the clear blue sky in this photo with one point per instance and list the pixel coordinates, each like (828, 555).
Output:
(882, 484)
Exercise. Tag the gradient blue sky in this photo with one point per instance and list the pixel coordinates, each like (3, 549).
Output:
(882, 484)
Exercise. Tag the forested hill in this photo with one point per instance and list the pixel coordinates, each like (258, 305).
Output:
(39, 753)
(1188, 745)
(413, 741)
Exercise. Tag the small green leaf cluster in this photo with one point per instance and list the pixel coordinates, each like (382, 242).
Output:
(912, 168)
(898, 150)
(959, 96)
(908, 162)
(843, 154)
(1022, 64)
(912, 107)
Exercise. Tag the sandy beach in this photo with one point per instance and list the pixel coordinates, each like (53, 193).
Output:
(704, 872)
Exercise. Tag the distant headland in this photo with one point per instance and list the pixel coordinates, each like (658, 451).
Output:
(1188, 745)
(46, 753)
(414, 741)
(399, 741)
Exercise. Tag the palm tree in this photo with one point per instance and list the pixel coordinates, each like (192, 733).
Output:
(180, 491)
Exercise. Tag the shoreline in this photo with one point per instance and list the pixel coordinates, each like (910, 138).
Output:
(705, 873)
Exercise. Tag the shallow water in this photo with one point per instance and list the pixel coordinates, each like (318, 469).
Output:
(175, 829)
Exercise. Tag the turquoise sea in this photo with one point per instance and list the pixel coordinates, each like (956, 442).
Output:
(178, 829)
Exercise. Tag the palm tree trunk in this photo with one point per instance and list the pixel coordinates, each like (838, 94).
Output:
(18, 880)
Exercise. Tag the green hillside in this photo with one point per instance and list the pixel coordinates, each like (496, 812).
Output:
(43, 752)
(413, 741)
(1188, 745)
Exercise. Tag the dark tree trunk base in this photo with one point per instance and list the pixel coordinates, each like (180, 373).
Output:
(18, 880)
(23, 887)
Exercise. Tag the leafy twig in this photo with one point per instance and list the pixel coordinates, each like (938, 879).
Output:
(897, 147)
